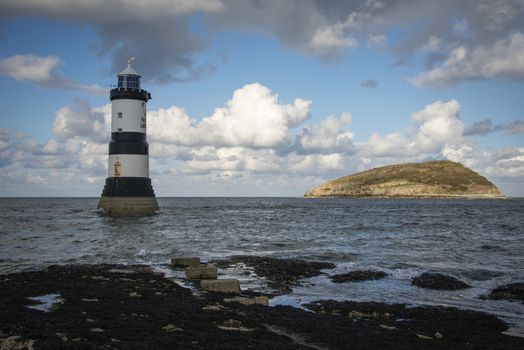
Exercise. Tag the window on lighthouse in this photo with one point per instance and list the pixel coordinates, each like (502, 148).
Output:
(132, 82)
(129, 81)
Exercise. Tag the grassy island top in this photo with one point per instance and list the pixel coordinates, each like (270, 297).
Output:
(433, 179)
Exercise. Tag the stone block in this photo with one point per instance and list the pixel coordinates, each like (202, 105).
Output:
(201, 272)
(185, 262)
(128, 206)
(222, 286)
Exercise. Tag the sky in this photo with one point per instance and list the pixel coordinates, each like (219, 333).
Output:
(261, 97)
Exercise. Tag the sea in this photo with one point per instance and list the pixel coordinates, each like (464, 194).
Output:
(481, 242)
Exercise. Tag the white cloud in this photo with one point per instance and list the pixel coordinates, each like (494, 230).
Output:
(377, 40)
(433, 44)
(391, 145)
(35, 179)
(502, 163)
(479, 128)
(52, 147)
(436, 126)
(251, 136)
(496, 13)
(121, 8)
(254, 145)
(172, 125)
(162, 37)
(331, 41)
(29, 67)
(3, 145)
(512, 166)
(504, 59)
(461, 27)
(232, 160)
(155, 32)
(485, 127)
(42, 72)
(517, 127)
(13, 145)
(467, 154)
(330, 136)
(316, 163)
(252, 118)
(83, 120)
(242, 136)
(77, 153)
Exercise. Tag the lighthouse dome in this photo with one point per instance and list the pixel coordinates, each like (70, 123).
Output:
(129, 71)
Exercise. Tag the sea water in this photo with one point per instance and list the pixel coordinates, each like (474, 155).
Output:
(480, 242)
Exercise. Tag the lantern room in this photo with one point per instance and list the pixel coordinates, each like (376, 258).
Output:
(129, 78)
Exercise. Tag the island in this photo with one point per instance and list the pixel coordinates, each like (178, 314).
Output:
(434, 179)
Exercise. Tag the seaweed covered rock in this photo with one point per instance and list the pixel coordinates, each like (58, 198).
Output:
(358, 275)
(438, 281)
(513, 291)
(281, 274)
(132, 307)
(428, 327)
(119, 307)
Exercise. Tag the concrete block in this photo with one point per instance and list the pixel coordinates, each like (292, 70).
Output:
(201, 272)
(222, 286)
(185, 262)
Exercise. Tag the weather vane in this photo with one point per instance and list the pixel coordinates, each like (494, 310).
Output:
(129, 60)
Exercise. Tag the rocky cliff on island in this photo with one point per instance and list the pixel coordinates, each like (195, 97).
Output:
(435, 179)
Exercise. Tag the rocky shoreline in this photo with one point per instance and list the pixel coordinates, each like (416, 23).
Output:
(133, 307)
(424, 196)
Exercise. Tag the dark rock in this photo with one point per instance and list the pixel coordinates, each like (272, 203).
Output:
(359, 275)
(281, 274)
(168, 316)
(353, 309)
(165, 316)
(439, 281)
(513, 291)
(435, 327)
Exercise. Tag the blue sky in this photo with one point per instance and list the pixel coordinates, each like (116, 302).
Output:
(261, 98)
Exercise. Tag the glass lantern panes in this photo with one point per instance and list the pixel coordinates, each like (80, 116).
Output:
(129, 81)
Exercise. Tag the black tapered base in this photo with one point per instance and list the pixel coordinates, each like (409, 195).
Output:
(128, 187)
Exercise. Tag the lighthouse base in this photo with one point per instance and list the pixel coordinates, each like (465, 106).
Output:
(128, 206)
(128, 196)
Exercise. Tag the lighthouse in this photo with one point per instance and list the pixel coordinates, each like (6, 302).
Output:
(128, 190)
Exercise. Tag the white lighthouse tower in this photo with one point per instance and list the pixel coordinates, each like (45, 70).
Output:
(128, 190)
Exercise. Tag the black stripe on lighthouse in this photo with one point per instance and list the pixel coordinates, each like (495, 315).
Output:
(128, 147)
(128, 136)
